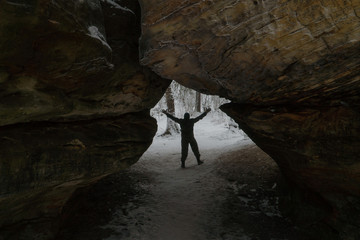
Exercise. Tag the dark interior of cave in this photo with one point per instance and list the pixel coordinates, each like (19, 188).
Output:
(81, 154)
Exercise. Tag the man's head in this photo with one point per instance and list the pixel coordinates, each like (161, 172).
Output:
(186, 116)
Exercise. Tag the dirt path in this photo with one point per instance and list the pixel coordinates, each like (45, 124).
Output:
(184, 200)
(233, 195)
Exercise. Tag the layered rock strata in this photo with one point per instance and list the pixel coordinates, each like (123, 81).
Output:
(74, 101)
(292, 70)
(317, 150)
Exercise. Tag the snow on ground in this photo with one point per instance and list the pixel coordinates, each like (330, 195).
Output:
(116, 5)
(234, 195)
(185, 201)
(95, 33)
(211, 133)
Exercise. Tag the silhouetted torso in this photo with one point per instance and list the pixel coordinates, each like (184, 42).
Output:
(187, 127)
(187, 135)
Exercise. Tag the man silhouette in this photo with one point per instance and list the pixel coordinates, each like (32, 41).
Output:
(187, 135)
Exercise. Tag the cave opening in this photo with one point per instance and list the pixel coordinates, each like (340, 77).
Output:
(77, 86)
(235, 194)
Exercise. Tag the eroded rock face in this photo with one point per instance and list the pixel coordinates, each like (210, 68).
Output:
(74, 100)
(317, 150)
(64, 44)
(293, 70)
(259, 52)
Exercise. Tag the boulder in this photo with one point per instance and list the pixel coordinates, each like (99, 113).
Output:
(256, 52)
(292, 71)
(317, 151)
(74, 103)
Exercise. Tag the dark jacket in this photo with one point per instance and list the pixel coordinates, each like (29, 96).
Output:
(187, 125)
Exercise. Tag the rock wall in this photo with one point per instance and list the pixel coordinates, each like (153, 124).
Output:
(292, 70)
(74, 102)
(258, 52)
(317, 150)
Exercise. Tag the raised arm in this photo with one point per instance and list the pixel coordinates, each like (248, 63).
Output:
(202, 115)
(171, 116)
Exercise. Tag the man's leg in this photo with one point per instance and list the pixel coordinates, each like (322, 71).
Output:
(195, 149)
(184, 151)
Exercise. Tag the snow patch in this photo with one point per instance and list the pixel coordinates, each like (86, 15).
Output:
(269, 209)
(95, 33)
(246, 200)
(117, 6)
(18, 4)
(181, 201)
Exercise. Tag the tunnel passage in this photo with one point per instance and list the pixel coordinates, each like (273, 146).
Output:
(292, 71)
(233, 195)
(74, 104)
(292, 63)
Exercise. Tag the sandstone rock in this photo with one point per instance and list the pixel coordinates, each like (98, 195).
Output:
(259, 52)
(317, 151)
(43, 163)
(73, 98)
(292, 69)
(58, 62)
(74, 101)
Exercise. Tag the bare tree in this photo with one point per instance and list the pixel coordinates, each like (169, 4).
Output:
(171, 126)
(198, 102)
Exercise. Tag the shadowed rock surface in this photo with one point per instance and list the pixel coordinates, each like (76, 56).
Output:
(74, 104)
(258, 52)
(74, 99)
(317, 151)
(292, 70)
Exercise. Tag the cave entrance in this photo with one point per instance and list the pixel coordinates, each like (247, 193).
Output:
(215, 130)
(178, 100)
(233, 195)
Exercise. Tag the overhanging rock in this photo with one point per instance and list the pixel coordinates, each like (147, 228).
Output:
(292, 70)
